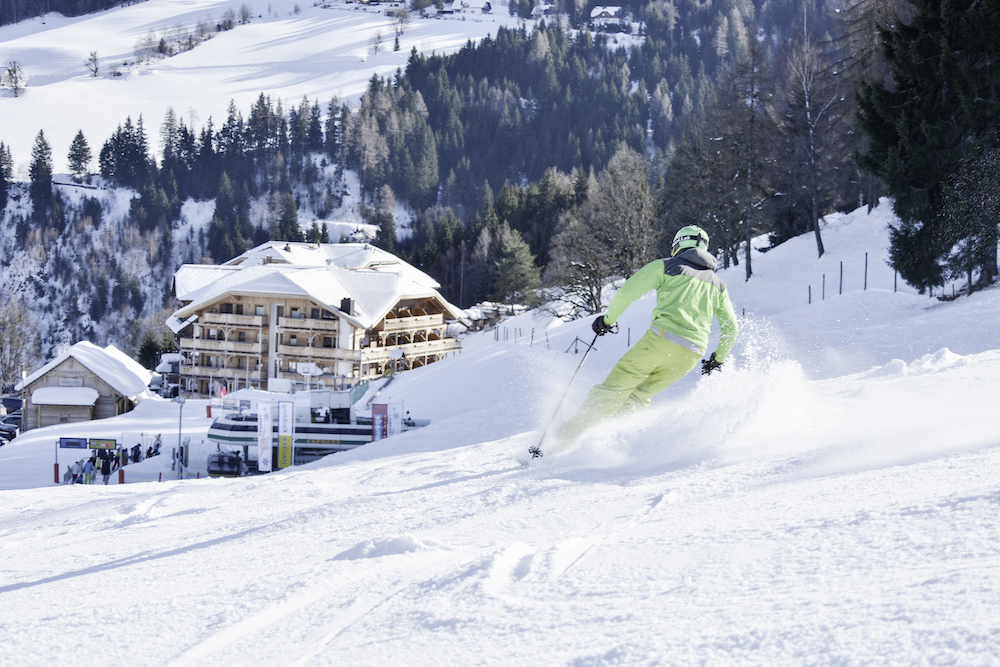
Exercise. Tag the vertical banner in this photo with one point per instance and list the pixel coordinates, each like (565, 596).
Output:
(380, 421)
(286, 431)
(264, 436)
(395, 419)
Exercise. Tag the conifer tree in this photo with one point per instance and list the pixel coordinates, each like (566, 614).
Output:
(517, 277)
(79, 157)
(6, 171)
(41, 175)
(941, 107)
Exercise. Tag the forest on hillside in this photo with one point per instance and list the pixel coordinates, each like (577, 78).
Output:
(547, 161)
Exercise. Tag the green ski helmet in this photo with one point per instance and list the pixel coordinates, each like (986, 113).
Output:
(691, 236)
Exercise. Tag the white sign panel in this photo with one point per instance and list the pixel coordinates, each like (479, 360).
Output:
(264, 436)
(395, 417)
(286, 428)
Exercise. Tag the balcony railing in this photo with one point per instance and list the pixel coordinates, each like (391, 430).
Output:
(412, 350)
(308, 324)
(230, 346)
(221, 373)
(397, 324)
(317, 353)
(228, 319)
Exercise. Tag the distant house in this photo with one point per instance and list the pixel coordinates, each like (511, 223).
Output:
(471, 7)
(541, 10)
(607, 17)
(340, 313)
(82, 383)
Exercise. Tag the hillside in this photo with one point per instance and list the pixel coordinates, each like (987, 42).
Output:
(829, 498)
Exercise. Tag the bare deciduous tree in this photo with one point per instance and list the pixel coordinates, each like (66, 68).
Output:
(16, 327)
(92, 63)
(14, 78)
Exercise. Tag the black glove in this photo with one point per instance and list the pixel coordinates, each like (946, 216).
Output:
(709, 365)
(599, 327)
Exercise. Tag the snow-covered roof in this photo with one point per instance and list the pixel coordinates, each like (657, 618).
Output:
(191, 277)
(167, 360)
(373, 279)
(105, 363)
(65, 396)
(605, 11)
(141, 372)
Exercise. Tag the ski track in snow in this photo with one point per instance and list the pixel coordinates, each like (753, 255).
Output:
(829, 498)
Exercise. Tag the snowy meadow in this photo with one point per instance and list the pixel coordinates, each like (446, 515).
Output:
(830, 497)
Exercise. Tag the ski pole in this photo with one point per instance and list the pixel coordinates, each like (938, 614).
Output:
(536, 451)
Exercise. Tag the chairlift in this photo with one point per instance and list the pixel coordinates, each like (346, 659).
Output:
(226, 464)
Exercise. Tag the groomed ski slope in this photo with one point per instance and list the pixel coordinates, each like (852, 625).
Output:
(831, 497)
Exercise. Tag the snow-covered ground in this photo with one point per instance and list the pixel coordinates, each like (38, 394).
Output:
(830, 497)
(290, 49)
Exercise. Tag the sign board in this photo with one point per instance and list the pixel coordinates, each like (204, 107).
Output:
(395, 419)
(71, 382)
(97, 443)
(286, 430)
(264, 436)
(380, 421)
(72, 443)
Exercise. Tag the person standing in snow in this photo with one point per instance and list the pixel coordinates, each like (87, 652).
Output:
(106, 469)
(688, 297)
(88, 471)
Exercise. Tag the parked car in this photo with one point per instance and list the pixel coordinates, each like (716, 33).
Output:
(13, 419)
(7, 432)
(11, 403)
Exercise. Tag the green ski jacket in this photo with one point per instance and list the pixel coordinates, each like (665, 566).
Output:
(688, 296)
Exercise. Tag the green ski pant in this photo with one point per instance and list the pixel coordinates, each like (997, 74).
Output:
(652, 365)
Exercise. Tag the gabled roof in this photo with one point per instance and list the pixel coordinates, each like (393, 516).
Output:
(610, 11)
(105, 363)
(373, 279)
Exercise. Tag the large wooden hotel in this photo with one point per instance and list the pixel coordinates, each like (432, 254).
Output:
(306, 313)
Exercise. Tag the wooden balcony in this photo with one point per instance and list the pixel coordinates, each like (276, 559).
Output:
(418, 323)
(221, 373)
(226, 319)
(412, 350)
(212, 345)
(308, 324)
(318, 354)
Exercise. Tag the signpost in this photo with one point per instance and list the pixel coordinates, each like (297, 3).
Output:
(264, 436)
(67, 443)
(286, 432)
(380, 421)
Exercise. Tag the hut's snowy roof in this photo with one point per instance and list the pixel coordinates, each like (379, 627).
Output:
(373, 279)
(65, 396)
(109, 364)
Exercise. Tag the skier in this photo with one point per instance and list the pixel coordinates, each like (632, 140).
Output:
(688, 296)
